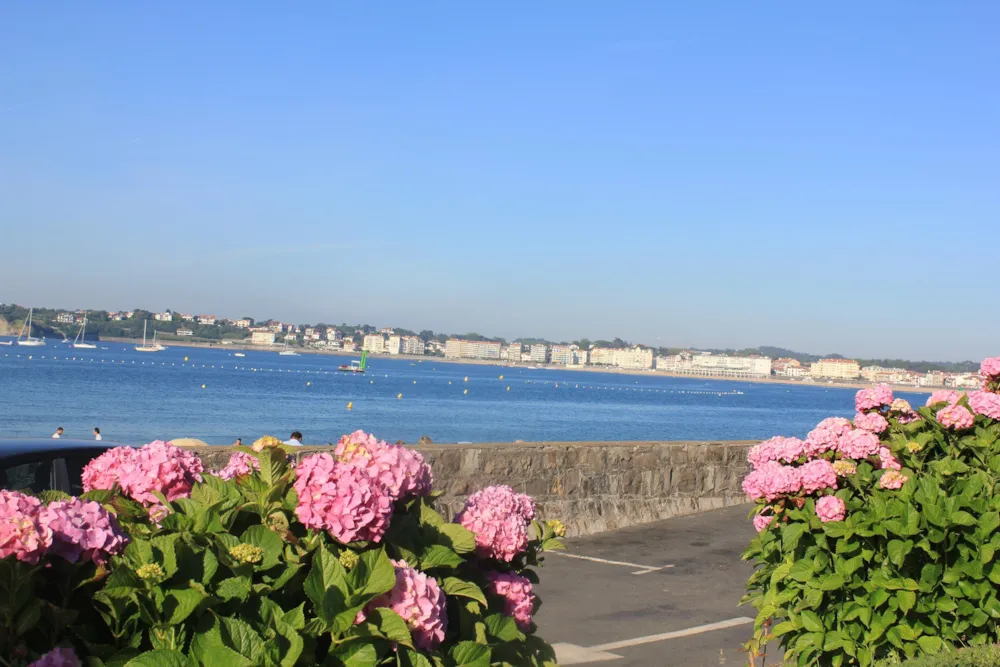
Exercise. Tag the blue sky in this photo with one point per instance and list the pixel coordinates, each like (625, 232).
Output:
(822, 178)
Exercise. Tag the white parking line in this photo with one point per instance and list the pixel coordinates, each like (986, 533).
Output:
(640, 569)
(649, 639)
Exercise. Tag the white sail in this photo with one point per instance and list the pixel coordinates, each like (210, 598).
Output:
(80, 341)
(28, 341)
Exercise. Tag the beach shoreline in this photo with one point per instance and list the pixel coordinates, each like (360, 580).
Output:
(244, 347)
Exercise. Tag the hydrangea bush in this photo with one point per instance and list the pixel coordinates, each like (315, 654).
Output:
(340, 560)
(877, 537)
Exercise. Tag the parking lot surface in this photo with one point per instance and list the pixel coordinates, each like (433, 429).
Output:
(659, 595)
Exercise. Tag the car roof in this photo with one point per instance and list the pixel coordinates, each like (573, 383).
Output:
(16, 446)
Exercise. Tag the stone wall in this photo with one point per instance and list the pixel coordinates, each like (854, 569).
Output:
(591, 486)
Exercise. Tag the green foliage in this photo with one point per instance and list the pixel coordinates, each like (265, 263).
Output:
(985, 656)
(908, 573)
(230, 578)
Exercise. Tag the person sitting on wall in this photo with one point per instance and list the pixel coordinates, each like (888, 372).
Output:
(295, 440)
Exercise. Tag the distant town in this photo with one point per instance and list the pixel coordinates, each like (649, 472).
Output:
(187, 328)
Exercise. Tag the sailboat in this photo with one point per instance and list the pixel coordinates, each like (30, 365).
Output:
(81, 337)
(144, 347)
(159, 348)
(354, 366)
(287, 352)
(28, 341)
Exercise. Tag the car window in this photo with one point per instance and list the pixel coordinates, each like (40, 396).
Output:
(74, 470)
(34, 476)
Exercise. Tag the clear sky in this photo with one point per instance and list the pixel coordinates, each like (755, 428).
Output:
(728, 174)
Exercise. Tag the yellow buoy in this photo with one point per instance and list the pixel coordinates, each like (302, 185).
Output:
(508, 388)
(466, 391)
(557, 385)
(501, 377)
(399, 396)
(185, 358)
(466, 378)
(308, 384)
(350, 405)
(371, 382)
(202, 386)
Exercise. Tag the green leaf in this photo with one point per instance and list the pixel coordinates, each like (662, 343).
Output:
(437, 555)
(962, 518)
(810, 621)
(268, 541)
(379, 575)
(502, 627)
(470, 654)
(930, 644)
(802, 570)
(832, 582)
(791, 534)
(223, 656)
(242, 638)
(390, 625)
(898, 550)
(355, 654)
(326, 572)
(462, 539)
(906, 600)
(413, 658)
(234, 588)
(179, 604)
(159, 658)
(461, 588)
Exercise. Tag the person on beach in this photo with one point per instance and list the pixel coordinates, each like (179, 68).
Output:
(238, 443)
(97, 434)
(58, 433)
(295, 440)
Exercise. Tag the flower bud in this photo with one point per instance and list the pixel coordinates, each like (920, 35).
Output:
(246, 553)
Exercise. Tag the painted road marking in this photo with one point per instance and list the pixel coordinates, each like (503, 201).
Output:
(640, 569)
(571, 654)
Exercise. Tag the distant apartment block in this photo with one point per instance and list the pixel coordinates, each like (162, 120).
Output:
(964, 381)
(563, 354)
(394, 344)
(511, 353)
(413, 345)
(276, 327)
(581, 357)
(65, 318)
(932, 379)
(457, 348)
(888, 375)
(185, 332)
(262, 337)
(712, 365)
(636, 358)
(333, 334)
(166, 316)
(835, 369)
(374, 343)
(207, 320)
(244, 323)
(539, 353)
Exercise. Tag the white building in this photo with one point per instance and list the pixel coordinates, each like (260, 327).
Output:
(636, 358)
(166, 316)
(712, 365)
(413, 345)
(261, 337)
(457, 348)
(932, 379)
(244, 323)
(580, 357)
(964, 381)
(333, 334)
(512, 353)
(835, 369)
(539, 353)
(207, 320)
(65, 318)
(374, 343)
(185, 332)
(394, 345)
(562, 354)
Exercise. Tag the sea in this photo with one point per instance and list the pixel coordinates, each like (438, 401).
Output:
(214, 396)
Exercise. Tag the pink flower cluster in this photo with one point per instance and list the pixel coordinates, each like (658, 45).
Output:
(240, 464)
(955, 417)
(874, 398)
(22, 532)
(859, 445)
(341, 499)
(827, 435)
(887, 461)
(778, 448)
(83, 530)
(158, 466)
(817, 475)
(58, 657)
(772, 480)
(830, 508)
(872, 422)
(990, 370)
(949, 396)
(499, 517)
(71, 529)
(892, 479)
(762, 521)
(985, 403)
(419, 600)
(401, 471)
(517, 594)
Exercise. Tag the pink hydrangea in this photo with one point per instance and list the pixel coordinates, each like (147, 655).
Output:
(83, 530)
(104, 471)
(58, 657)
(872, 422)
(955, 417)
(817, 475)
(908, 417)
(826, 436)
(499, 517)
(859, 445)
(949, 396)
(762, 521)
(341, 499)
(985, 403)
(22, 532)
(900, 405)
(990, 368)
(240, 464)
(419, 600)
(892, 479)
(873, 398)
(517, 594)
(778, 448)
(887, 460)
(401, 471)
(830, 508)
(772, 480)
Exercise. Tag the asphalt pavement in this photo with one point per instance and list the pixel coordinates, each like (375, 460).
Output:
(659, 595)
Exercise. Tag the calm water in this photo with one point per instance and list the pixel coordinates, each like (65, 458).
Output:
(136, 397)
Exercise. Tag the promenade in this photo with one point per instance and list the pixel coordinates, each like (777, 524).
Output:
(660, 595)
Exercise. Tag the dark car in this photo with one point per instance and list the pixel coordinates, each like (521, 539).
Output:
(39, 464)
